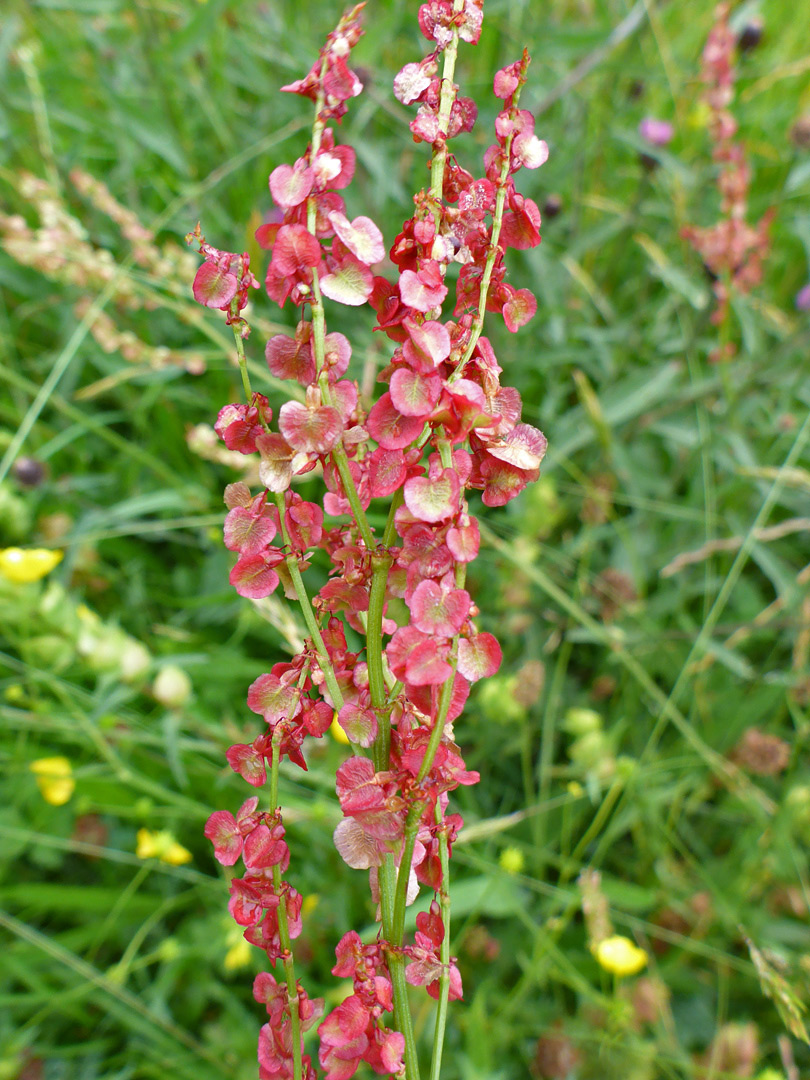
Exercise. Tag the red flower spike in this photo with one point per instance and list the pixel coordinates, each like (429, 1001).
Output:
(472, 418)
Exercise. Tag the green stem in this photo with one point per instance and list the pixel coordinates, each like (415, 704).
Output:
(417, 808)
(374, 648)
(284, 926)
(446, 99)
(492, 255)
(444, 978)
(240, 352)
(307, 612)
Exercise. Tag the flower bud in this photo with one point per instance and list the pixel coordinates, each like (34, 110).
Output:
(15, 517)
(172, 687)
(135, 660)
(582, 721)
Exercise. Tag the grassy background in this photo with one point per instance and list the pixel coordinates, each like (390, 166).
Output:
(113, 966)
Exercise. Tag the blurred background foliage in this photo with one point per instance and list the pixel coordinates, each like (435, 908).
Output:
(650, 722)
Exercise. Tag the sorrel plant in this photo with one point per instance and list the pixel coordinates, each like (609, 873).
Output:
(444, 426)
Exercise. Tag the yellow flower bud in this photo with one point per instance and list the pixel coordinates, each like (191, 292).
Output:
(310, 902)
(512, 860)
(21, 566)
(238, 955)
(337, 732)
(161, 845)
(54, 777)
(620, 956)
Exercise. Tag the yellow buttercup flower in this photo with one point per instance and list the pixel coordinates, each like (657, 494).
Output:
(163, 846)
(21, 566)
(238, 954)
(620, 956)
(337, 732)
(309, 904)
(54, 777)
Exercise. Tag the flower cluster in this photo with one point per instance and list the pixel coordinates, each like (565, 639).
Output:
(732, 250)
(443, 426)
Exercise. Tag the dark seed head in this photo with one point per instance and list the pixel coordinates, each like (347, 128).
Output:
(635, 89)
(800, 132)
(28, 472)
(750, 35)
(552, 206)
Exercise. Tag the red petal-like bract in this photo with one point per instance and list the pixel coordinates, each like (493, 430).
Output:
(359, 723)
(433, 500)
(295, 249)
(479, 656)
(289, 358)
(254, 577)
(248, 762)
(247, 532)
(389, 427)
(272, 698)
(223, 832)
(414, 394)
(424, 290)
(214, 286)
(436, 610)
(290, 184)
(361, 237)
(350, 282)
(519, 309)
(524, 447)
(313, 430)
